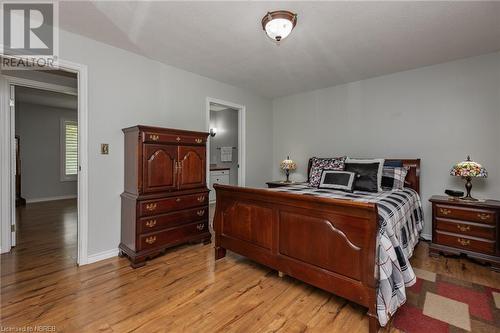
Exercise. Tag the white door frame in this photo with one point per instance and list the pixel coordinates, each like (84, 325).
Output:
(241, 136)
(7, 146)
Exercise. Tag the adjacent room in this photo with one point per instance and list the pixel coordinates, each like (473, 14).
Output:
(250, 166)
(44, 226)
(224, 143)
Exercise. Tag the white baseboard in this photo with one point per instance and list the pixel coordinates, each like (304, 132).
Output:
(426, 236)
(102, 255)
(62, 197)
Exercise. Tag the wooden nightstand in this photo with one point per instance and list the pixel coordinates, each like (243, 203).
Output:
(466, 227)
(278, 183)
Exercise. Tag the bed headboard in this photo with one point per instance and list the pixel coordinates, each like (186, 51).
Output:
(412, 178)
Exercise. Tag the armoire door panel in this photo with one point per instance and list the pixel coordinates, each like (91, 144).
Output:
(160, 172)
(192, 171)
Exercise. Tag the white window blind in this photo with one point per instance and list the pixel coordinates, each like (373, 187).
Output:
(69, 150)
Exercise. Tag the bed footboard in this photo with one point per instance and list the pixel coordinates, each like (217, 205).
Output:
(328, 243)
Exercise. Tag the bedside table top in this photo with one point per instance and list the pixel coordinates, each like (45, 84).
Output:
(280, 182)
(443, 199)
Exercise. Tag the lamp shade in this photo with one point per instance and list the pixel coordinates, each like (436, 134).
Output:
(288, 164)
(468, 168)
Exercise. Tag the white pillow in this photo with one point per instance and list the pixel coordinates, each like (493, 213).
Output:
(381, 162)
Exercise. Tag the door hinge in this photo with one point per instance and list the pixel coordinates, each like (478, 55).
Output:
(12, 228)
(12, 103)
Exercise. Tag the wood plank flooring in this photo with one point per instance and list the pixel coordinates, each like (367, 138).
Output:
(182, 291)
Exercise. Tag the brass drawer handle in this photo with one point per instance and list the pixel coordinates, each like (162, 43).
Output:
(178, 200)
(154, 137)
(484, 216)
(463, 228)
(178, 138)
(200, 212)
(201, 198)
(150, 240)
(200, 226)
(151, 223)
(463, 242)
(198, 140)
(445, 211)
(151, 206)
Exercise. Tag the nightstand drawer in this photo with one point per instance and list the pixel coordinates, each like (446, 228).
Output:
(466, 243)
(466, 214)
(466, 228)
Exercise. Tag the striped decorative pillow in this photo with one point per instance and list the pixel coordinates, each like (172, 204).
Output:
(394, 178)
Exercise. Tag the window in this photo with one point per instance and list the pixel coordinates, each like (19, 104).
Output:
(69, 150)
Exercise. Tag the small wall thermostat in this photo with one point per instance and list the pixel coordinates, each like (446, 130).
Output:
(104, 148)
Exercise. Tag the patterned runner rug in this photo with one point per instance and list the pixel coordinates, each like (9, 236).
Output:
(438, 303)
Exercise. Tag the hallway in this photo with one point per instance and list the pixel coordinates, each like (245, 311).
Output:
(46, 239)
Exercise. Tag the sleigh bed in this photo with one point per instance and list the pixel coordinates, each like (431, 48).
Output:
(330, 243)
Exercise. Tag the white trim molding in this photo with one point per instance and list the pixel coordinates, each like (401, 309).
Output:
(6, 146)
(60, 197)
(241, 137)
(102, 256)
(18, 81)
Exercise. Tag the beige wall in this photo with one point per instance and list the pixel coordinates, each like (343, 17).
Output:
(438, 113)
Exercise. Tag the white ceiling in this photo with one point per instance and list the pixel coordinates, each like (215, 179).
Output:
(333, 43)
(47, 98)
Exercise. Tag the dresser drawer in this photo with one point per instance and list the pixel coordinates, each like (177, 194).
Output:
(465, 228)
(160, 238)
(158, 222)
(155, 207)
(155, 137)
(466, 243)
(466, 214)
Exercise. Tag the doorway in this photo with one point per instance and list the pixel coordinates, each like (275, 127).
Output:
(46, 183)
(45, 83)
(226, 161)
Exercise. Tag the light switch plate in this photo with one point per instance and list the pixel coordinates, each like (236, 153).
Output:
(104, 148)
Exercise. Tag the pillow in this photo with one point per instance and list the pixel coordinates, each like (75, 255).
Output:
(369, 173)
(337, 180)
(394, 178)
(319, 164)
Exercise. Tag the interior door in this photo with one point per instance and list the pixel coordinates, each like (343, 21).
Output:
(192, 171)
(160, 171)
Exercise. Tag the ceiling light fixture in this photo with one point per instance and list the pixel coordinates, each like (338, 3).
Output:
(279, 24)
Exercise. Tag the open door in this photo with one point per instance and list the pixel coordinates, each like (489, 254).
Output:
(12, 105)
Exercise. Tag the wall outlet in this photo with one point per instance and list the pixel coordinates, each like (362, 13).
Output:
(104, 148)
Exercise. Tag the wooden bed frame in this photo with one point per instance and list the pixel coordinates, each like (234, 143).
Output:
(328, 243)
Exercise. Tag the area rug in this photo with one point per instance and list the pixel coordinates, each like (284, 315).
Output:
(437, 303)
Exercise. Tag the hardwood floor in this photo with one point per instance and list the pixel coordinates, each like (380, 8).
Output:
(184, 290)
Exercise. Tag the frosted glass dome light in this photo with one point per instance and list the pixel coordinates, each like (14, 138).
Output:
(279, 24)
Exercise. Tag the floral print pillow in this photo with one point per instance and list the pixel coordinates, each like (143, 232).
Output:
(319, 164)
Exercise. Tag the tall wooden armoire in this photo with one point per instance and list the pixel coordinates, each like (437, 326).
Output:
(165, 202)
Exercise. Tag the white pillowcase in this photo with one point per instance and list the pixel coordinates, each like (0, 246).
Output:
(381, 162)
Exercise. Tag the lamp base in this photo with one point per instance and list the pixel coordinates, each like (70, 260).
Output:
(287, 172)
(468, 188)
